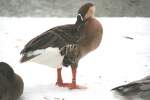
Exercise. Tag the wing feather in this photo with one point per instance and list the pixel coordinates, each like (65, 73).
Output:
(56, 37)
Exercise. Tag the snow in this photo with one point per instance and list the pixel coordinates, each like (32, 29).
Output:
(117, 61)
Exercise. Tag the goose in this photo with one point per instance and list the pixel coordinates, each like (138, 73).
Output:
(65, 45)
(11, 84)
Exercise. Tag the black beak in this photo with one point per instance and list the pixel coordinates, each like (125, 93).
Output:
(79, 21)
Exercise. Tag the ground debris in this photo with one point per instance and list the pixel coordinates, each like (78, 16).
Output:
(57, 98)
(127, 37)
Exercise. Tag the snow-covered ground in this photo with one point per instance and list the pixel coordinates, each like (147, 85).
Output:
(122, 57)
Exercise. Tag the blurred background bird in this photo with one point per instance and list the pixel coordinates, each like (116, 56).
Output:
(11, 84)
(137, 89)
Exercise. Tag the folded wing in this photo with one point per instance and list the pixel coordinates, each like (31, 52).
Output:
(56, 37)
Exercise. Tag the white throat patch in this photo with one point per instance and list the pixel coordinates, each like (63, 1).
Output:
(81, 17)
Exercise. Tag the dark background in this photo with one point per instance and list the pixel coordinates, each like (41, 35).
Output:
(68, 8)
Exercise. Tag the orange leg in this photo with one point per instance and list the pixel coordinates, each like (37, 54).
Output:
(72, 85)
(59, 78)
(74, 72)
